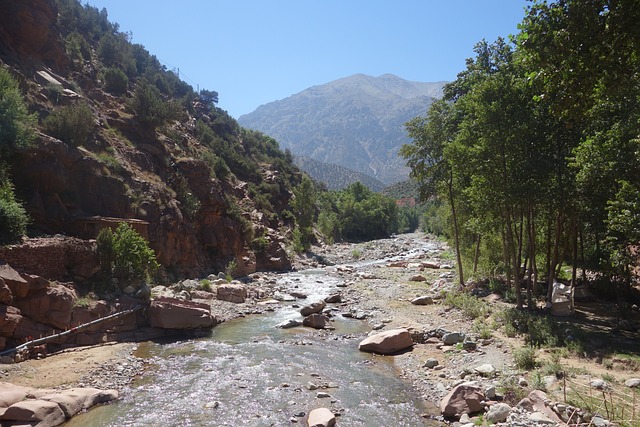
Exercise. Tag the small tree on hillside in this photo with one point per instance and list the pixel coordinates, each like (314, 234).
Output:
(125, 255)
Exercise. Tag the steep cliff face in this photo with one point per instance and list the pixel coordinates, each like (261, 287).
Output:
(160, 176)
(28, 32)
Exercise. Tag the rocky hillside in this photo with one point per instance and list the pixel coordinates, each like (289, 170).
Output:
(335, 177)
(356, 122)
(120, 138)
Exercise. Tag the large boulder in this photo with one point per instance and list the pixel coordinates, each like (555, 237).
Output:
(74, 400)
(465, 398)
(51, 306)
(10, 394)
(321, 417)
(315, 320)
(537, 401)
(6, 296)
(312, 308)
(14, 281)
(34, 412)
(387, 342)
(172, 313)
(232, 292)
(9, 319)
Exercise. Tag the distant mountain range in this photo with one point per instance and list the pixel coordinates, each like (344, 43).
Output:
(336, 177)
(356, 122)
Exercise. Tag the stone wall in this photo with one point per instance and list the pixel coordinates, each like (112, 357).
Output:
(55, 258)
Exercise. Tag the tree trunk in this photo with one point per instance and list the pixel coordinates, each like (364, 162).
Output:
(534, 248)
(513, 255)
(556, 255)
(456, 237)
(476, 254)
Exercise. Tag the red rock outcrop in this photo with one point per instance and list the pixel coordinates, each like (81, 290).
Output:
(51, 306)
(172, 313)
(28, 29)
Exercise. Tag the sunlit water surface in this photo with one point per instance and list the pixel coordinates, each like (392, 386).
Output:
(250, 373)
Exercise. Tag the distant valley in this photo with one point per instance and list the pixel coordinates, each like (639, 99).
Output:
(356, 122)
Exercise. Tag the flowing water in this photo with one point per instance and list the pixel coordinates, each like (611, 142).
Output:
(250, 373)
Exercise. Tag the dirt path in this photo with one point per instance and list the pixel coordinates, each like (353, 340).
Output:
(68, 368)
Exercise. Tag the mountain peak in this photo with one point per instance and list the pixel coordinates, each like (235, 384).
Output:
(356, 122)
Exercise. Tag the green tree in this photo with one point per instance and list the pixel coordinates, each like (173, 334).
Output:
(13, 218)
(304, 209)
(16, 133)
(116, 81)
(16, 124)
(434, 172)
(125, 255)
(149, 106)
(72, 124)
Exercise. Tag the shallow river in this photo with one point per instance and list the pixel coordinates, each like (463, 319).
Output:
(250, 373)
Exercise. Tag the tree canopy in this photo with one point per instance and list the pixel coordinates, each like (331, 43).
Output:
(536, 146)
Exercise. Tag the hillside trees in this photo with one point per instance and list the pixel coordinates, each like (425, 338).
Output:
(16, 132)
(538, 144)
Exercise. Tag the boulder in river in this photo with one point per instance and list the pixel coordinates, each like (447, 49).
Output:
(333, 298)
(287, 324)
(315, 320)
(387, 342)
(315, 307)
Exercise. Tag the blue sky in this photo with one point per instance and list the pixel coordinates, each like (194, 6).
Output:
(256, 51)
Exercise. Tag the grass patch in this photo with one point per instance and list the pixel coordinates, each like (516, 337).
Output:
(482, 328)
(470, 305)
(525, 358)
(205, 285)
(83, 302)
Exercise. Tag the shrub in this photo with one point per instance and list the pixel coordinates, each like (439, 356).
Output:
(300, 242)
(469, 304)
(205, 285)
(13, 217)
(260, 244)
(525, 357)
(73, 124)
(537, 329)
(126, 255)
(231, 270)
(482, 328)
(116, 81)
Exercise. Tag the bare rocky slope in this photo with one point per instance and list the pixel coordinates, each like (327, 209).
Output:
(356, 122)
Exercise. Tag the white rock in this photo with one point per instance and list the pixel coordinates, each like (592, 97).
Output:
(540, 418)
(632, 382)
(498, 413)
(321, 417)
(486, 370)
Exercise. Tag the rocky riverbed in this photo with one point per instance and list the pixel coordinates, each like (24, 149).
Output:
(388, 284)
